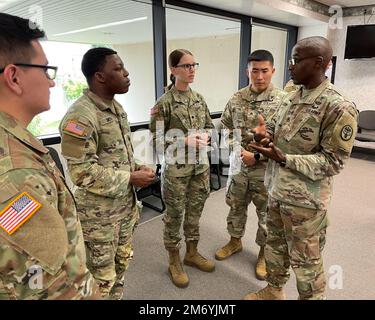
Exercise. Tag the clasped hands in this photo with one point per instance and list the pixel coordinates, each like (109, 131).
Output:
(142, 177)
(198, 140)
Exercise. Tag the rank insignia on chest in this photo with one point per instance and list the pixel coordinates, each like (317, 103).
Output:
(18, 212)
(75, 128)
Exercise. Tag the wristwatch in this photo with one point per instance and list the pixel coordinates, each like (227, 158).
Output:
(257, 156)
(282, 163)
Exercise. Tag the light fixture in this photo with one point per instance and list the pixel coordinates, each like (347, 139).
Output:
(101, 26)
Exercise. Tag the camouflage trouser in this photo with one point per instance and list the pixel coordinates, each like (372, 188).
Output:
(183, 195)
(296, 237)
(109, 251)
(242, 189)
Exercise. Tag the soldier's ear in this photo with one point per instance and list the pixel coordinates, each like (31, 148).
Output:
(12, 79)
(100, 77)
(319, 61)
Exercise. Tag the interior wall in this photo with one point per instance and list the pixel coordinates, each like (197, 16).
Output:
(355, 77)
(310, 31)
(275, 42)
(138, 60)
(217, 76)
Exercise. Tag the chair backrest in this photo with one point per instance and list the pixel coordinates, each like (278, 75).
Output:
(55, 156)
(367, 120)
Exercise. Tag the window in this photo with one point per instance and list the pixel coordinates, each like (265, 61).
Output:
(123, 25)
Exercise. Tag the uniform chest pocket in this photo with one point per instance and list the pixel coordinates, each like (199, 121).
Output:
(198, 115)
(180, 117)
(305, 130)
(251, 117)
(107, 124)
(238, 119)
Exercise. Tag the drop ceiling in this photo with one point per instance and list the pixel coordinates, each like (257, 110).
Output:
(59, 17)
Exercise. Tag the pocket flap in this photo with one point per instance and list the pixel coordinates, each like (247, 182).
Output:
(296, 125)
(105, 121)
(7, 191)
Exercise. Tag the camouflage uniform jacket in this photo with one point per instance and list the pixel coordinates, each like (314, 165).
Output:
(316, 130)
(50, 242)
(183, 111)
(241, 113)
(95, 140)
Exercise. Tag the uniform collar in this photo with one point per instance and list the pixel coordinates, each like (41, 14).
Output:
(296, 98)
(99, 102)
(183, 96)
(266, 95)
(11, 125)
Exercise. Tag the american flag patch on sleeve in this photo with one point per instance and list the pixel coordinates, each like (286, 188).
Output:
(18, 212)
(75, 128)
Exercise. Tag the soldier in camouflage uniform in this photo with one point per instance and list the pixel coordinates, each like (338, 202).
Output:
(246, 182)
(42, 254)
(312, 136)
(96, 143)
(185, 184)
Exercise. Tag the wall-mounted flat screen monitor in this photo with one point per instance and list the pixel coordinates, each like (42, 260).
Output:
(360, 42)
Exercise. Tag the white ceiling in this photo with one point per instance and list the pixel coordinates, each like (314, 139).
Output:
(61, 16)
(264, 9)
(348, 3)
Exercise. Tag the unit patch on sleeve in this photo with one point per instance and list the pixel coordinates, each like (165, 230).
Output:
(18, 212)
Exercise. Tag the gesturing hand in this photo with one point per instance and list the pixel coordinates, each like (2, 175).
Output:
(248, 158)
(270, 151)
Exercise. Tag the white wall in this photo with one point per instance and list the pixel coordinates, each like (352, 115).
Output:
(217, 76)
(275, 42)
(310, 31)
(138, 60)
(355, 78)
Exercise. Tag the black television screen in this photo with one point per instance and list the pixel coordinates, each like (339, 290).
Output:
(360, 42)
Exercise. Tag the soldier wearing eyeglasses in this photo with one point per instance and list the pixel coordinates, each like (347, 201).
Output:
(309, 140)
(42, 254)
(181, 118)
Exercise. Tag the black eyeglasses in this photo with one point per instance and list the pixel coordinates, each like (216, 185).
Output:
(188, 66)
(49, 70)
(294, 61)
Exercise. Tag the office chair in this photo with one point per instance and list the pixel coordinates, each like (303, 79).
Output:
(366, 126)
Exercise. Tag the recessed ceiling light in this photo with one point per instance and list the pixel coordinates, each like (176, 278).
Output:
(100, 26)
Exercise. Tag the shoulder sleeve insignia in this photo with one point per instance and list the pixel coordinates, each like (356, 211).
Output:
(74, 127)
(346, 132)
(21, 209)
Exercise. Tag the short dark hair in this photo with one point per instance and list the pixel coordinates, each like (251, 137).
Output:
(260, 55)
(16, 35)
(94, 60)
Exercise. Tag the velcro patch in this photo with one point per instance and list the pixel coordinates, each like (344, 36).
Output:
(76, 128)
(344, 132)
(18, 212)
